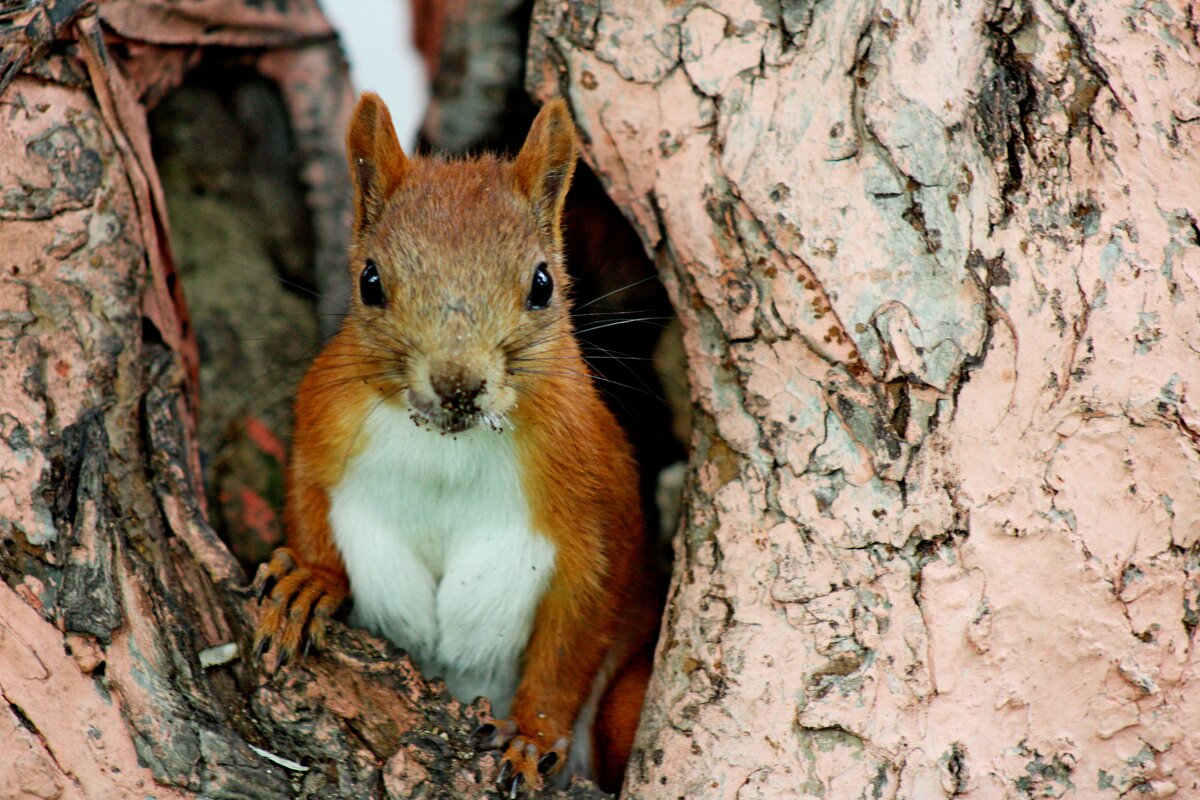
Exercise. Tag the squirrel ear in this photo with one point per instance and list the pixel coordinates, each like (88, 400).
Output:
(377, 162)
(544, 166)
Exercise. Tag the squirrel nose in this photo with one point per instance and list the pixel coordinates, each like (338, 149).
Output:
(457, 391)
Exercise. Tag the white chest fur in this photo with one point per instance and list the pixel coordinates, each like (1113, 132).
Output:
(436, 535)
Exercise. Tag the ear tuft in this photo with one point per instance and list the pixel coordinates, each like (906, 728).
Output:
(544, 166)
(377, 162)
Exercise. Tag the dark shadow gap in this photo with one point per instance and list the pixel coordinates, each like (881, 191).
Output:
(243, 241)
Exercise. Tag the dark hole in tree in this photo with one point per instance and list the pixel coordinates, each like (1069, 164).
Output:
(243, 241)
(624, 320)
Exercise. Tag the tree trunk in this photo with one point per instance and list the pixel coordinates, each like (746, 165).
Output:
(124, 620)
(938, 271)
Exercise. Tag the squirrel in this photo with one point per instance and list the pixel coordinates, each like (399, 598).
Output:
(454, 471)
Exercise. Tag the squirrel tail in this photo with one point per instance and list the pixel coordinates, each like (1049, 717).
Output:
(617, 718)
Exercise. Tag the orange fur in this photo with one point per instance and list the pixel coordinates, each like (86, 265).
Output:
(617, 718)
(480, 224)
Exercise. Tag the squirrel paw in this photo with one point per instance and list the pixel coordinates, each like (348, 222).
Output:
(525, 761)
(299, 602)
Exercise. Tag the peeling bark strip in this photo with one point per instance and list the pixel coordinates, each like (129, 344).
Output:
(939, 271)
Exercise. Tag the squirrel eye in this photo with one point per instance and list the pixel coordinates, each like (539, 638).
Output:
(370, 285)
(541, 289)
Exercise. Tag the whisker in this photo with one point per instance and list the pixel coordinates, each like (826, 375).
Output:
(525, 346)
(508, 343)
(378, 354)
(302, 314)
(592, 357)
(582, 377)
(553, 408)
(348, 380)
(613, 313)
(619, 289)
(612, 324)
(298, 287)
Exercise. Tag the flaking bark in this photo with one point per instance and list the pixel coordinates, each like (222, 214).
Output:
(937, 267)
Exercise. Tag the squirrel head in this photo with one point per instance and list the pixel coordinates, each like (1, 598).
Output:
(460, 299)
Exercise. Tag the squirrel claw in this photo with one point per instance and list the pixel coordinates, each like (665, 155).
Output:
(482, 734)
(525, 763)
(297, 603)
(286, 654)
(267, 585)
(493, 735)
(262, 645)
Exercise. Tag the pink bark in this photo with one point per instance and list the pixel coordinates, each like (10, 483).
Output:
(86, 753)
(939, 275)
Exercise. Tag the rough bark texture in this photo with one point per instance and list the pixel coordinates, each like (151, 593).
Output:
(475, 51)
(938, 270)
(114, 582)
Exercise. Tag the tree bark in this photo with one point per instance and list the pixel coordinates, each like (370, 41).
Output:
(938, 270)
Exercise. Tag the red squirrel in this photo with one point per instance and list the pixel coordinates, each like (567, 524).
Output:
(454, 471)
